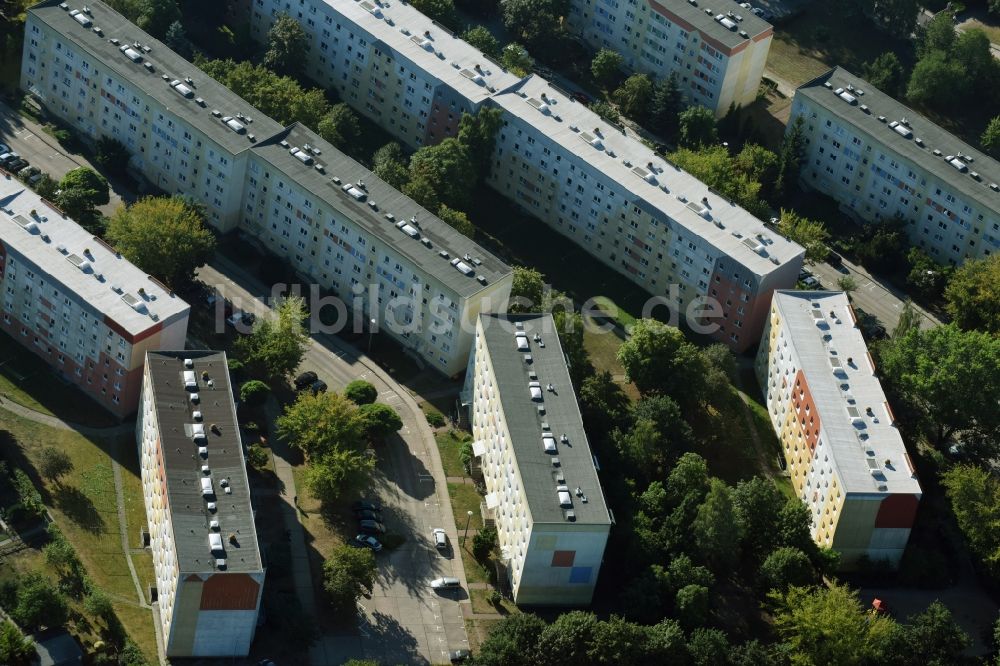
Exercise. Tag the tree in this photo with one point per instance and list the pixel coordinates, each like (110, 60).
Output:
(790, 156)
(897, 17)
(818, 623)
(990, 139)
(478, 133)
(708, 647)
(810, 234)
(784, 567)
(606, 67)
(658, 359)
(847, 284)
(886, 73)
(389, 164)
(692, 605)
(975, 498)
(935, 80)
(157, 16)
(603, 404)
(973, 295)
(569, 326)
(15, 648)
(280, 97)
(46, 187)
(98, 604)
(935, 636)
(361, 392)
(569, 636)
(534, 21)
(483, 39)
(512, 641)
(176, 38)
(926, 276)
(340, 126)
(937, 35)
(883, 245)
(286, 45)
(277, 344)
(254, 393)
(92, 186)
(457, 220)
(658, 435)
(483, 543)
(633, 96)
(606, 111)
(757, 505)
(163, 236)
(28, 496)
(257, 456)
(317, 424)
(909, 320)
(526, 290)
(38, 604)
(111, 154)
(696, 127)
(449, 168)
(442, 11)
(714, 166)
(722, 358)
(348, 573)
(950, 378)
(338, 473)
(379, 420)
(715, 532)
(422, 190)
(666, 106)
(516, 59)
(54, 463)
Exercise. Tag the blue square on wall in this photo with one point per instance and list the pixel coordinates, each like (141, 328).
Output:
(580, 574)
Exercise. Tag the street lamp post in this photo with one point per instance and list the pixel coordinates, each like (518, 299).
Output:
(467, 521)
(371, 330)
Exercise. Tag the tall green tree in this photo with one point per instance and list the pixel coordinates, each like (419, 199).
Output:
(54, 463)
(603, 404)
(790, 156)
(276, 346)
(527, 290)
(340, 126)
(570, 637)
(316, 424)
(512, 641)
(607, 66)
(896, 17)
(348, 573)
(738, 178)
(379, 421)
(483, 39)
(361, 392)
(157, 16)
(39, 604)
(536, 22)
(990, 139)
(810, 234)
(92, 186)
(666, 107)
(697, 128)
(442, 11)
(909, 320)
(886, 73)
(516, 59)
(716, 534)
(176, 38)
(15, 648)
(658, 359)
(934, 637)
(950, 378)
(938, 80)
(785, 567)
(389, 164)
(280, 97)
(164, 236)
(975, 498)
(286, 45)
(449, 168)
(938, 34)
(478, 133)
(634, 95)
(757, 505)
(973, 295)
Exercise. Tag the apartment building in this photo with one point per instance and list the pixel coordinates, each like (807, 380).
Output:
(209, 573)
(655, 224)
(541, 478)
(75, 303)
(843, 448)
(391, 63)
(285, 188)
(717, 49)
(881, 160)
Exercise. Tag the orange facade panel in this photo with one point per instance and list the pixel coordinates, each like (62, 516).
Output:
(230, 592)
(897, 511)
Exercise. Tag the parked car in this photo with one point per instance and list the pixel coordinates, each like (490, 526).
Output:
(368, 541)
(870, 326)
(440, 538)
(27, 172)
(305, 380)
(34, 179)
(811, 282)
(370, 505)
(803, 274)
(458, 656)
(371, 527)
(7, 157)
(17, 164)
(4, 148)
(318, 386)
(445, 583)
(368, 514)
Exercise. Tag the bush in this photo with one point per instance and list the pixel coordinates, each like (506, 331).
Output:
(254, 393)
(436, 419)
(360, 392)
(111, 154)
(494, 597)
(380, 421)
(257, 456)
(483, 543)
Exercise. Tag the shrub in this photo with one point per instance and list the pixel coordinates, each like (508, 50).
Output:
(483, 543)
(436, 419)
(360, 392)
(494, 597)
(254, 393)
(257, 456)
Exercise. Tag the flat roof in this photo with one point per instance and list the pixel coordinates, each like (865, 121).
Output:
(183, 463)
(642, 174)
(428, 45)
(165, 62)
(439, 236)
(822, 330)
(701, 15)
(81, 263)
(526, 424)
(931, 136)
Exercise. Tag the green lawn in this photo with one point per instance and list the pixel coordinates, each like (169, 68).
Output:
(474, 571)
(449, 444)
(480, 604)
(84, 506)
(464, 498)
(992, 31)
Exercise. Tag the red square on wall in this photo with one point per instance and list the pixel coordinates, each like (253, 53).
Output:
(563, 558)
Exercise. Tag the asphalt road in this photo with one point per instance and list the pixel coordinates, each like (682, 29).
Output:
(404, 621)
(883, 301)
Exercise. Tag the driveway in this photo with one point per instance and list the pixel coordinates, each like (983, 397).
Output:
(884, 301)
(403, 621)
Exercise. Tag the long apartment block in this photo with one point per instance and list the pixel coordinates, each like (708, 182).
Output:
(286, 188)
(843, 448)
(541, 478)
(77, 304)
(716, 48)
(209, 572)
(881, 160)
(650, 221)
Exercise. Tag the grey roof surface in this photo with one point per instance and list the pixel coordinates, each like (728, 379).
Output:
(182, 464)
(933, 136)
(696, 15)
(568, 123)
(55, 647)
(389, 201)
(832, 401)
(52, 242)
(164, 61)
(525, 423)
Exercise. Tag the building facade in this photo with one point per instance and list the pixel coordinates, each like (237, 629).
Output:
(542, 486)
(843, 448)
(286, 189)
(717, 50)
(209, 573)
(881, 160)
(74, 302)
